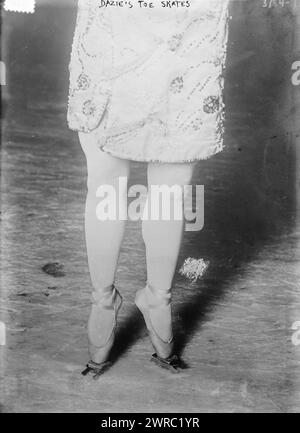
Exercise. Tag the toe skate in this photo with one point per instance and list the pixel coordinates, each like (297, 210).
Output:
(173, 363)
(96, 369)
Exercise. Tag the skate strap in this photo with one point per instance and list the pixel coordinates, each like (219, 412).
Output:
(159, 308)
(157, 297)
(105, 297)
(102, 320)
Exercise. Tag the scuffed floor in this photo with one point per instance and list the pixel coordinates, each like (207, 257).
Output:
(233, 327)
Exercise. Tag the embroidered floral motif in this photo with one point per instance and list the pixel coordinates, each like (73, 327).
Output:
(218, 61)
(83, 82)
(196, 124)
(211, 104)
(89, 108)
(174, 42)
(176, 85)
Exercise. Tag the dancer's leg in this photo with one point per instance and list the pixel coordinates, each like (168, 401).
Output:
(163, 239)
(103, 240)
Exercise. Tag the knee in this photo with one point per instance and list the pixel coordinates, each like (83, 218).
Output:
(102, 168)
(107, 173)
(182, 174)
(106, 170)
(171, 174)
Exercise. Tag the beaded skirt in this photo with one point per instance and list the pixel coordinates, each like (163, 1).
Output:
(148, 82)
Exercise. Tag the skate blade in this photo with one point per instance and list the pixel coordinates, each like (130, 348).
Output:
(96, 371)
(172, 364)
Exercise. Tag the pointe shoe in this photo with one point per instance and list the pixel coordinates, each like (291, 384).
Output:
(155, 305)
(101, 328)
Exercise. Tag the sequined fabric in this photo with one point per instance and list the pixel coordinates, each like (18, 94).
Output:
(149, 82)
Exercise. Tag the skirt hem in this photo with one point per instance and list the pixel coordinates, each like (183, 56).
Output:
(160, 161)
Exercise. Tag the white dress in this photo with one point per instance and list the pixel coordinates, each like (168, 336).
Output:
(149, 81)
